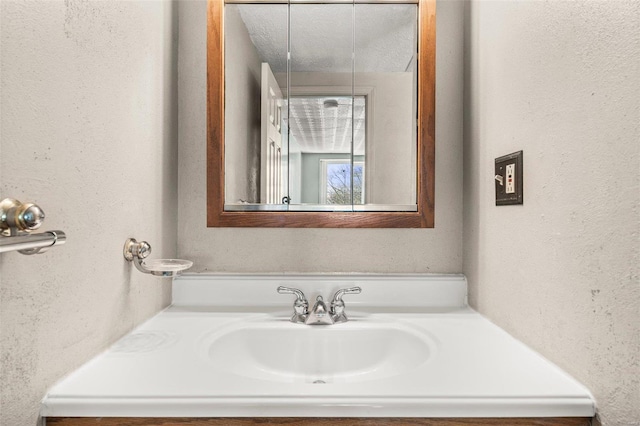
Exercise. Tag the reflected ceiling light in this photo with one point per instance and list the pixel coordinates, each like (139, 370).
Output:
(330, 103)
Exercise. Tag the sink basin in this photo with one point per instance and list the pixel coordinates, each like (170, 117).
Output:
(351, 352)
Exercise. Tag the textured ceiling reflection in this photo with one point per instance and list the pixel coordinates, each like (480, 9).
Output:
(322, 37)
(318, 126)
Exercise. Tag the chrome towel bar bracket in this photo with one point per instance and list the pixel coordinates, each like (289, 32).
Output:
(17, 221)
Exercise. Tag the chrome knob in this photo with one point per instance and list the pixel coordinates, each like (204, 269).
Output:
(31, 217)
(133, 249)
(16, 216)
(143, 249)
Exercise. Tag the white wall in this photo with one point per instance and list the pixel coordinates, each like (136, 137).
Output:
(243, 67)
(88, 131)
(319, 250)
(561, 81)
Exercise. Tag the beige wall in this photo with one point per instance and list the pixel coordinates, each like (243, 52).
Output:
(320, 250)
(559, 80)
(88, 131)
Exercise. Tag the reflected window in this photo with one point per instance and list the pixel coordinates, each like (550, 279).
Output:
(336, 181)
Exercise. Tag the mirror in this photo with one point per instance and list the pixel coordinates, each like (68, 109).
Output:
(312, 114)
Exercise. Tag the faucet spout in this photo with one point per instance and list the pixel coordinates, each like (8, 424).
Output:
(319, 315)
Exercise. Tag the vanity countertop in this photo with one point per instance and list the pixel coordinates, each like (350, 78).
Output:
(164, 367)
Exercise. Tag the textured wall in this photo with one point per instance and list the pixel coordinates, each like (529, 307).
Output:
(242, 106)
(559, 80)
(88, 131)
(319, 250)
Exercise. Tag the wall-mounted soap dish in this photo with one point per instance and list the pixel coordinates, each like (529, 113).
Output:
(136, 252)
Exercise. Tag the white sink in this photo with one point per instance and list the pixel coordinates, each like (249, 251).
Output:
(225, 348)
(355, 351)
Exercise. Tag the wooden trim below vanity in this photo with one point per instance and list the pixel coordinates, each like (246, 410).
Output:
(312, 421)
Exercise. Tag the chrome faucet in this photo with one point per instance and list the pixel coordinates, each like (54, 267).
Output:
(300, 305)
(337, 305)
(319, 314)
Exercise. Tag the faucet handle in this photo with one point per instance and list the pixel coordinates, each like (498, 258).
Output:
(337, 305)
(289, 290)
(300, 305)
(337, 297)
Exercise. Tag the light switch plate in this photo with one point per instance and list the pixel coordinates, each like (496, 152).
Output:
(508, 179)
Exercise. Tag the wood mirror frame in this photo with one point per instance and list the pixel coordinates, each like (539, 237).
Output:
(422, 218)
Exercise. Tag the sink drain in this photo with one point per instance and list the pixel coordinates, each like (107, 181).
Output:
(318, 382)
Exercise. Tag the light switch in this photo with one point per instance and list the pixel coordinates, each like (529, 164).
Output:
(508, 179)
